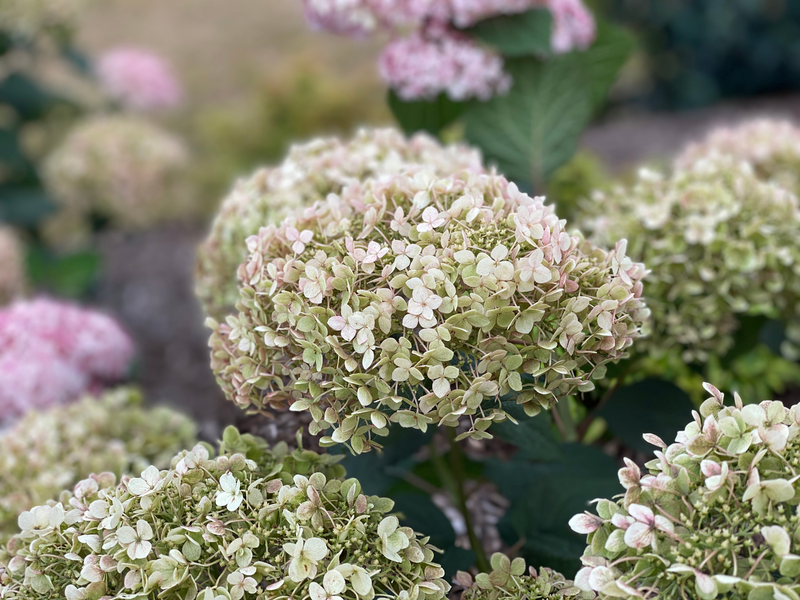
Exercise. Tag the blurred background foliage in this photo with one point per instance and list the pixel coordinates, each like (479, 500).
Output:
(697, 52)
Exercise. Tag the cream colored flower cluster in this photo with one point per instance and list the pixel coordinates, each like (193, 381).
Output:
(719, 242)
(310, 172)
(715, 516)
(12, 276)
(48, 451)
(251, 523)
(29, 17)
(771, 146)
(509, 580)
(423, 300)
(119, 168)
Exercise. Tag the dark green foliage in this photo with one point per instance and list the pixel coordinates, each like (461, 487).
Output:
(702, 51)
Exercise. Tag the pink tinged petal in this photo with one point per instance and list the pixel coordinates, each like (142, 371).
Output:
(621, 521)
(349, 332)
(641, 513)
(585, 523)
(639, 535)
(410, 321)
(337, 323)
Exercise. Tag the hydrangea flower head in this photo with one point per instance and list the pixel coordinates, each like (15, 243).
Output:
(50, 450)
(138, 79)
(770, 146)
(714, 515)
(29, 17)
(438, 60)
(12, 276)
(292, 526)
(420, 300)
(121, 168)
(510, 580)
(310, 172)
(719, 242)
(51, 352)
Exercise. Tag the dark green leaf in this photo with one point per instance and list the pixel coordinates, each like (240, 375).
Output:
(425, 115)
(24, 205)
(745, 338)
(544, 496)
(420, 513)
(649, 406)
(11, 156)
(25, 96)
(77, 59)
(534, 129)
(517, 35)
(772, 335)
(380, 470)
(532, 435)
(70, 276)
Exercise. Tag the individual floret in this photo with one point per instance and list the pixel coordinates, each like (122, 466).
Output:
(510, 581)
(48, 451)
(310, 172)
(253, 522)
(713, 516)
(422, 300)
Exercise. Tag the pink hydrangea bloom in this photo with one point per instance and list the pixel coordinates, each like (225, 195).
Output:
(359, 18)
(51, 352)
(138, 79)
(574, 27)
(36, 377)
(440, 60)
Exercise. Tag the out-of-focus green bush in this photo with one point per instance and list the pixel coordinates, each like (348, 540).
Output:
(575, 181)
(700, 51)
(300, 102)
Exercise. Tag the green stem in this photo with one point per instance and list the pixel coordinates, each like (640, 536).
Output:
(457, 466)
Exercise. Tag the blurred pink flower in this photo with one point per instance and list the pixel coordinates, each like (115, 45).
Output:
(51, 352)
(573, 24)
(574, 27)
(138, 79)
(440, 60)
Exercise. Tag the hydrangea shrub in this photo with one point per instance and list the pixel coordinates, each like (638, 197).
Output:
(138, 79)
(252, 522)
(421, 300)
(714, 515)
(48, 451)
(509, 580)
(771, 146)
(120, 168)
(719, 242)
(310, 172)
(51, 352)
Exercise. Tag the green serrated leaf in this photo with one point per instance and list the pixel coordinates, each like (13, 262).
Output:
(425, 115)
(649, 406)
(535, 127)
(526, 34)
